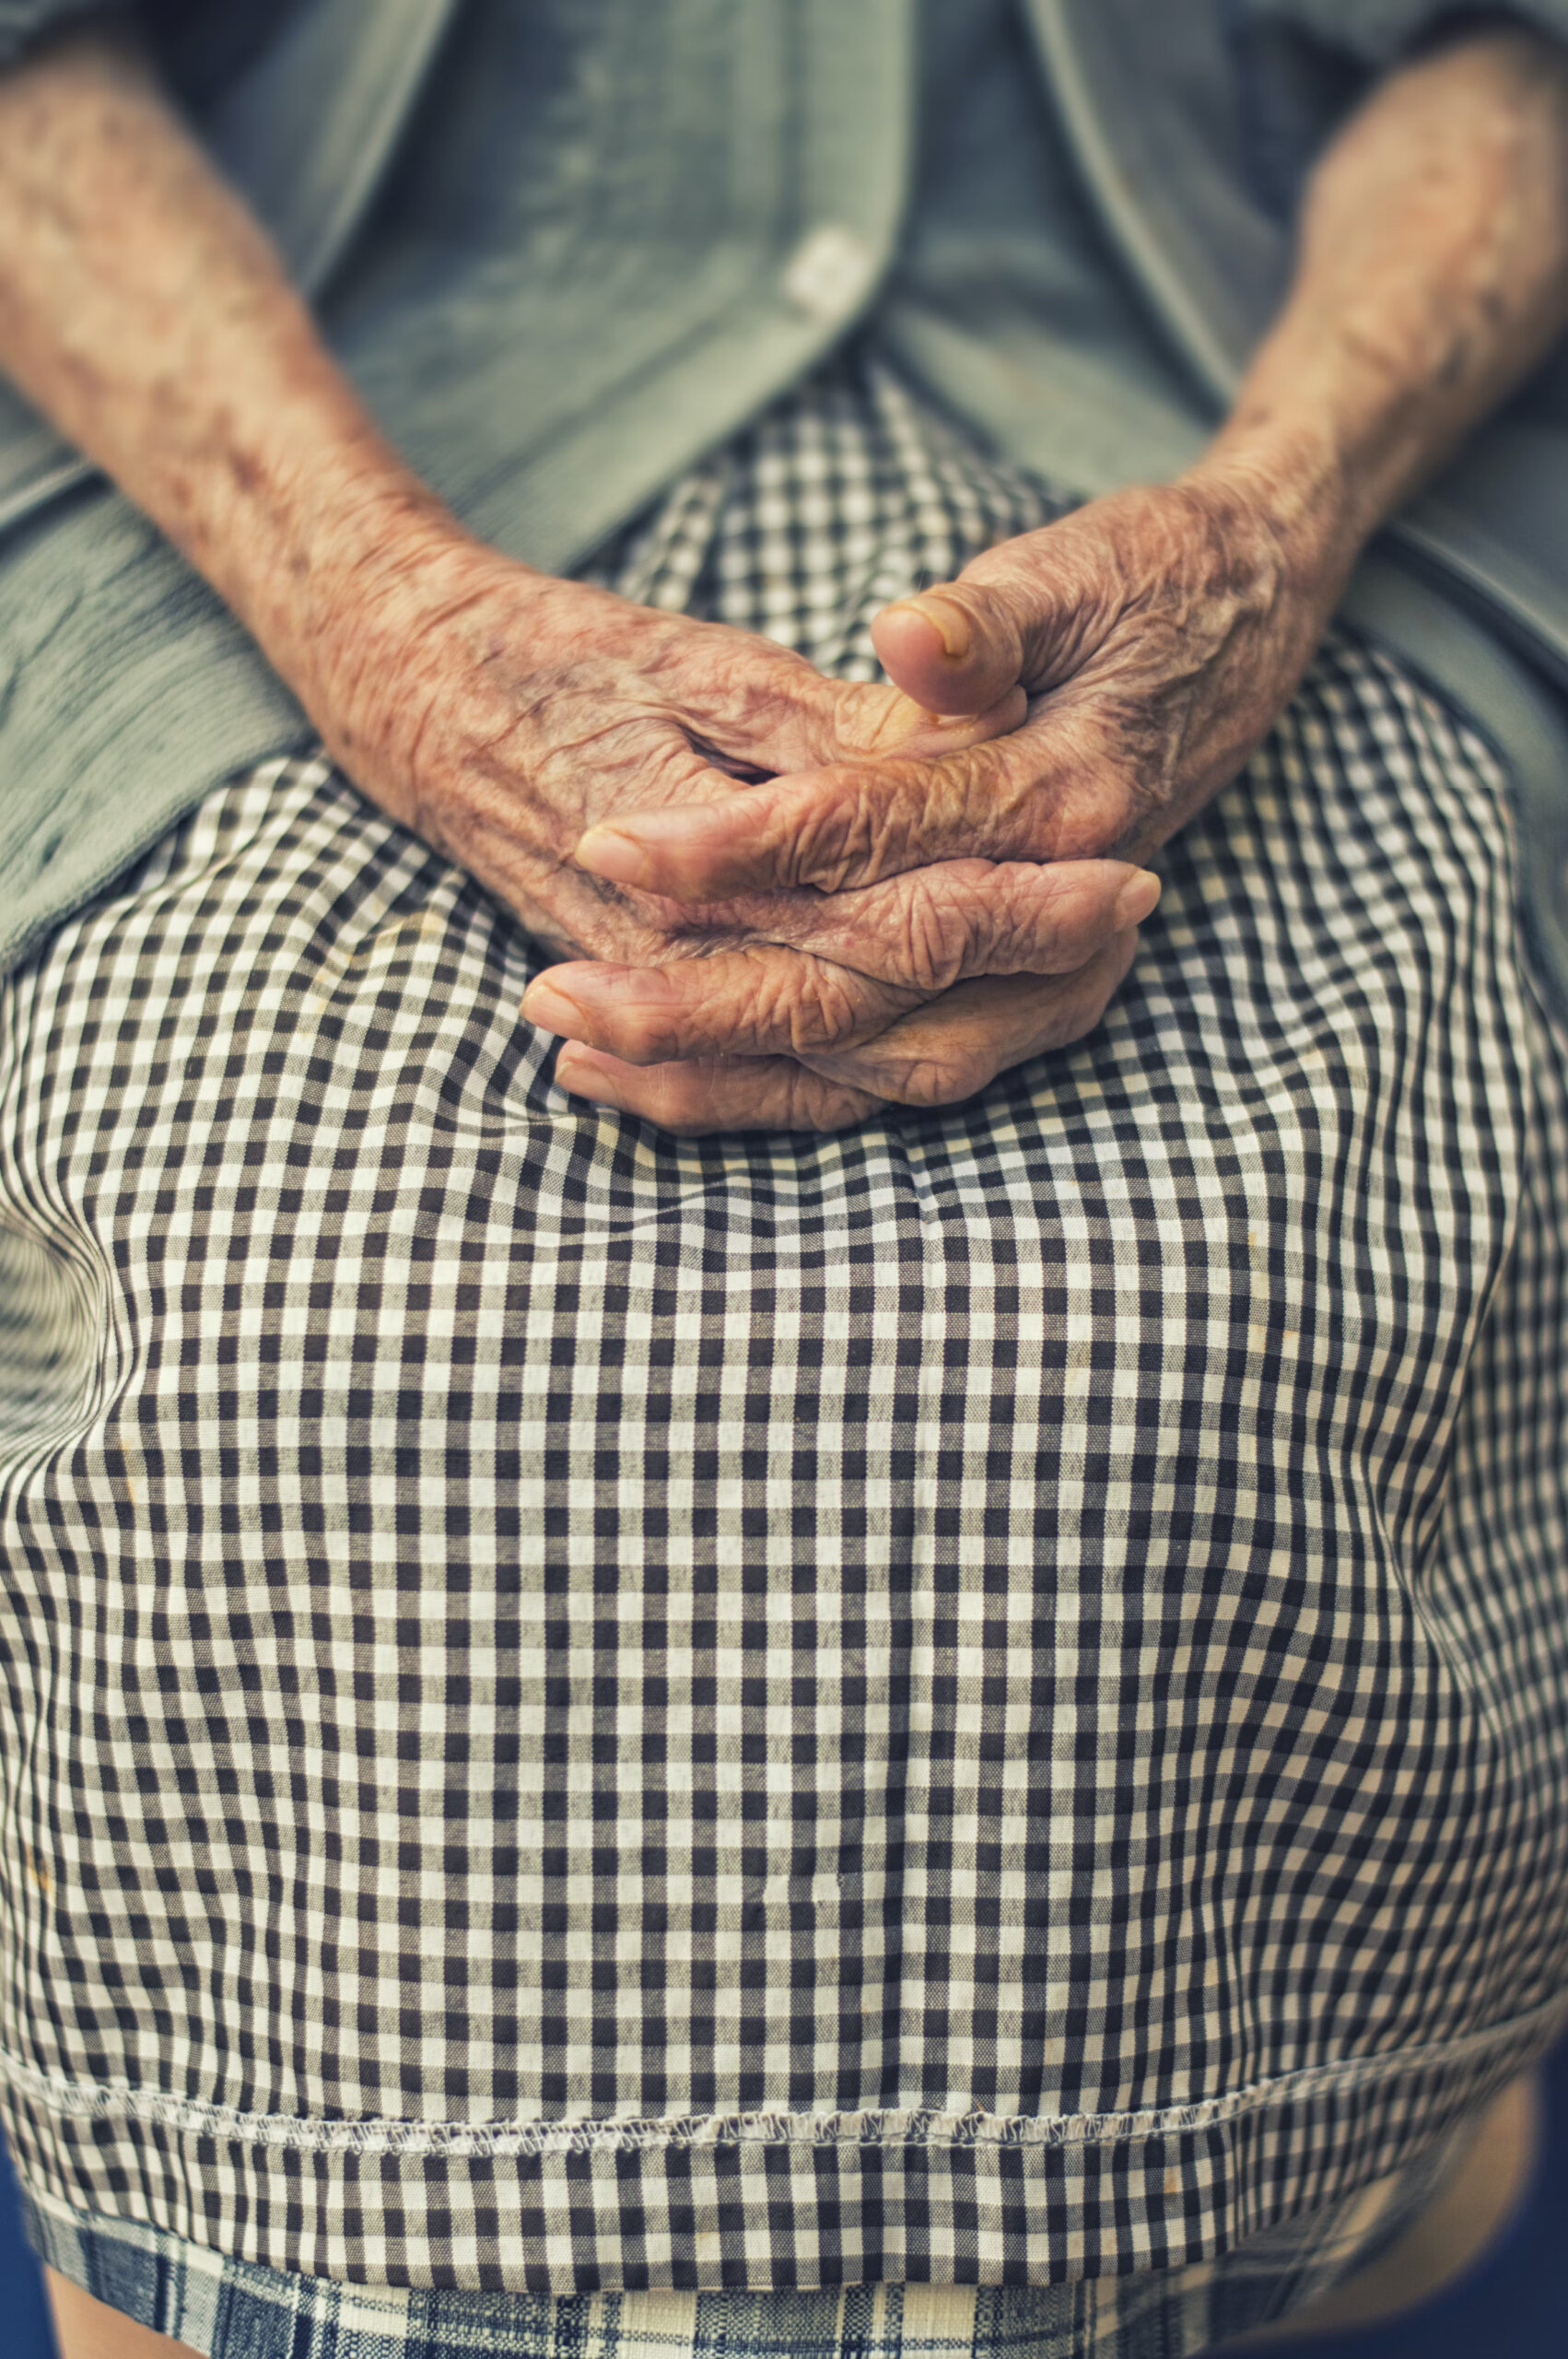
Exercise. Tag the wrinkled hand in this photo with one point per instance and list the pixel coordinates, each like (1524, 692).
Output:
(501, 713)
(1157, 635)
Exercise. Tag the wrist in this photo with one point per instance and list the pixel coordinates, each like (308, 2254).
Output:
(412, 610)
(1289, 486)
(304, 546)
(352, 622)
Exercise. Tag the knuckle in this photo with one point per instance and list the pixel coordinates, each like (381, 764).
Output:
(869, 720)
(1127, 792)
(787, 1004)
(1094, 817)
(924, 1077)
(815, 1104)
(945, 925)
(887, 820)
(779, 839)
(824, 1009)
(996, 782)
(849, 836)
(1051, 919)
(776, 1012)
(991, 797)
(937, 1078)
(643, 1039)
(1027, 920)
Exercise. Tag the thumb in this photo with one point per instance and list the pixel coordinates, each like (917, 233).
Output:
(958, 648)
(1010, 621)
(769, 710)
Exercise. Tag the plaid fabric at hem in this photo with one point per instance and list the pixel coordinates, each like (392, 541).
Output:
(231, 2309)
(977, 1701)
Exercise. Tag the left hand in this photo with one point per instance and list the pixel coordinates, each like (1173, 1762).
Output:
(938, 1054)
(1157, 634)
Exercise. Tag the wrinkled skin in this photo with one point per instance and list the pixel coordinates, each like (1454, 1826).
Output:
(1155, 636)
(527, 711)
(1151, 639)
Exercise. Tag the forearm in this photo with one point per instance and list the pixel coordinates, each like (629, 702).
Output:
(1433, 274)
(145, 313)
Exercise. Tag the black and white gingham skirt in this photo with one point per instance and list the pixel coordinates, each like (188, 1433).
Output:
(979, 1703)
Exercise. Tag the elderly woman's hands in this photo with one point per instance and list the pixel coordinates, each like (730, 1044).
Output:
(501, 713)
(795, 951)
(1157, 635)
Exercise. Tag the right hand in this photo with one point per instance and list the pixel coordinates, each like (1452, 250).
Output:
(500, 713)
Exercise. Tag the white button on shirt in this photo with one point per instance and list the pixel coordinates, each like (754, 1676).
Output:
(827, 275)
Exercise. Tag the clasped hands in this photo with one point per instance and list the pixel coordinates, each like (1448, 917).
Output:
(780, 902)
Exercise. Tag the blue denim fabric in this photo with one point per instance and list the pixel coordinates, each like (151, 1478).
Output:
(26, 2332)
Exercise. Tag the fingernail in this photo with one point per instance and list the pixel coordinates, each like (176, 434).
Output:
(548, 1005)
(604, 852)
(1135, 899)
(951, 720)
(950, 622)
(545, 1003)
(581, 1081)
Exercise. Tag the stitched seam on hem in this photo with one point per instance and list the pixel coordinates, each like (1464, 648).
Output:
(384, 2135)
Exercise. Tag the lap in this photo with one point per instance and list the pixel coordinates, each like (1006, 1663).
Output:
(1045, 1614)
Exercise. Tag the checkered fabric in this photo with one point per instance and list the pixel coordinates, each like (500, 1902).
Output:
(979, 1700)
(231, 2309)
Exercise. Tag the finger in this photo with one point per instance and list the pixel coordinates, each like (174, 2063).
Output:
(870, 957)
(747, 1094)
(946, 656)
(933, 927)
(768, 709)
(1049, 792)
(945, 1052)
(755, 1001)
(961, 646)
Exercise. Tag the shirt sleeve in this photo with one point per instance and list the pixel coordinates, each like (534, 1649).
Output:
(23, 22)
(1378, 32)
